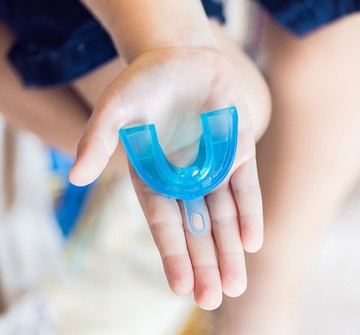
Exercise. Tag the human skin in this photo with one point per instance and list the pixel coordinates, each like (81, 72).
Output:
(241, 87)
(306, 158)
(308, 162)
(175, 71)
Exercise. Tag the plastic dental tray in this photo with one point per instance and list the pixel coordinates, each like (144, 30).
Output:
(217, 147)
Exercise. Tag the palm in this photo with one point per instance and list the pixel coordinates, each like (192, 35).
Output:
(171, 90)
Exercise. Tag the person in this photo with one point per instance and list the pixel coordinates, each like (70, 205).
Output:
(174, 63)
(307, 159)
(169, 71)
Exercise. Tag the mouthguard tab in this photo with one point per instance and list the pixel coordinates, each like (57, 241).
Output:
(217, 147)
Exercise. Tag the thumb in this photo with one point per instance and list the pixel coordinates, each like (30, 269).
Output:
(98, 142)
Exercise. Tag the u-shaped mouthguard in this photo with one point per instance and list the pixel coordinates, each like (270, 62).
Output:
(190, 184)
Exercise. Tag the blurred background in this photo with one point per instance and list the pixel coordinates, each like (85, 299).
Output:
(81, 261)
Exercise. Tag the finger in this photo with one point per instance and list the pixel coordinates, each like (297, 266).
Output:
(226, 232)
(202, 251)
(99, 140)
(247, 194)
(165, 222)
(113, 110)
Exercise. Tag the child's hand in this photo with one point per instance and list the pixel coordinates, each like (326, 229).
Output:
(171, 87)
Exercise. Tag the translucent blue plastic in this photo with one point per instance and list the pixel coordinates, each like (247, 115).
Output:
(190, 184)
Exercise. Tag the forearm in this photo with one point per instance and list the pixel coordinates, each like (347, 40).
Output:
(140, 25)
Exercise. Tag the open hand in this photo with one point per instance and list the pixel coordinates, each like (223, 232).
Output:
(170, 87)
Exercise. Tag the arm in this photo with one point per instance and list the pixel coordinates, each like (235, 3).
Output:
(137, 26)
(175, 73)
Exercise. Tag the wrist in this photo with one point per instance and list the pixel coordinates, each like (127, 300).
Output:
(183, 37)
(138, 26)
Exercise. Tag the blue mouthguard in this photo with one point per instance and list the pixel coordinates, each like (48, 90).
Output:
(190, 184)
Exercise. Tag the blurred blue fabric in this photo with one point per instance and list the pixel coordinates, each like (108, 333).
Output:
(59, 40)
(70, 200)
(303, 16)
